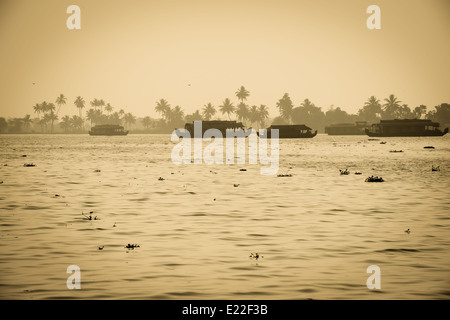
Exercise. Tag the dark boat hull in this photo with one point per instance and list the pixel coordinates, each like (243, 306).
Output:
(435, 133)
(108, 134)
(289, 135)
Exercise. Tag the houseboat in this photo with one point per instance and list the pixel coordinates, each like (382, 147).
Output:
(203, 126)
(357, 128)
(405, 128)
(291, 131)
(107, 130)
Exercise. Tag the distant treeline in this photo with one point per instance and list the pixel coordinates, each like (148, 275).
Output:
(46, 118)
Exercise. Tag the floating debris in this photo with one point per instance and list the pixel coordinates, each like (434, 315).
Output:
(161, 179)
(97, 170)
(408, 231)
(358, 172)
(29, 165)
(242, 169)
(383, 142)
(24, 156)
(433, 168)
(344, 172)
(373, 139)
(284, 175)
(255, 256)
(101, 248)
(236, 185)
(1, 182)
(396, 151)
(374, 179)
(114, 225)
(428, 147)
(90, 216)
(132, 246)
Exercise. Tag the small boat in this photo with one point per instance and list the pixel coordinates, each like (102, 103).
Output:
(108, 130)
(290, 131)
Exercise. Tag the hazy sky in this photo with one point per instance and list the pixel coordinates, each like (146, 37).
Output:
(133, 53)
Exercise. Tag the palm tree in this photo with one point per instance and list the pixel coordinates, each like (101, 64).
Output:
(60, 100)
(263, 114)
(371, 111)
(285, 107)
(79, 103)
(391, 107)
(91, 116)
(129, 119)
(242, 94)
(101, 104)
(76, 122)
(242, 112)
(52, 116)
(65, 123)
(95, 103)
(227, 107)
(163, 107)
(147, 122)
(37, 109)
(27, 121)
(208, 111)
(253, 115)
(108, 108)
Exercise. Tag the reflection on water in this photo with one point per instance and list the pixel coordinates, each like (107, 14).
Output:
(316, 231)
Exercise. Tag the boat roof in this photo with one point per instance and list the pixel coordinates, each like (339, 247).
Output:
(108, 126)
(356, 124)
(409, 122)
(290, 126)
(218, 124)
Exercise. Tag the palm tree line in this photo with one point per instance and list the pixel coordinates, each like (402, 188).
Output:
(102, 112)
(99, 113)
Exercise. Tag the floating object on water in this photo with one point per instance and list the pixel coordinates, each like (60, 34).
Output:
(161, 179)
(90, 216)
(408, 231)
(396, 151)
(242, 169)
(374, 179)
(114, 225)
(428, 147)
(284, 175)
(1, 182)
(358, 172)
(236, 185)
(24, 156)
(373, 139)
(132, 246)
(97, 170)
(383, 142)
(29, 165)
(344, 172)
(433, 168)
(101, 248)
(255, 256)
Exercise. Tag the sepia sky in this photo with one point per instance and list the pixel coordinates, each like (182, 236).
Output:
(133, 53)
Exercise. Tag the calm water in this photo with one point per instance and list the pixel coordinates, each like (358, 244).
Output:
(317, 231)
